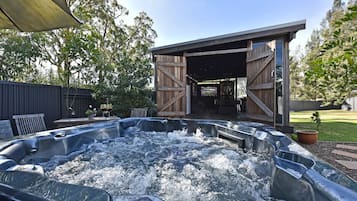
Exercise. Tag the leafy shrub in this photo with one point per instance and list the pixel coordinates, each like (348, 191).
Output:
(315, 117)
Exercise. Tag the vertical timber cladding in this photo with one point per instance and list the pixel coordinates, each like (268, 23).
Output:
(261, 84)
(171, 85)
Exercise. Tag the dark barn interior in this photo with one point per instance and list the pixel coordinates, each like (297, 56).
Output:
(212, 68)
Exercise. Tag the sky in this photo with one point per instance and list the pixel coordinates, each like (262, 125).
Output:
(184, 20)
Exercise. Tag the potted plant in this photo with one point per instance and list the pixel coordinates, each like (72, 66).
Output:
(91, 113)
(310, 136)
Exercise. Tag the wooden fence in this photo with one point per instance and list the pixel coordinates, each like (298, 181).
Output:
(24, 98)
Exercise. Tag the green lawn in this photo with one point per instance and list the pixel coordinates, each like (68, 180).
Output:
(336, 125)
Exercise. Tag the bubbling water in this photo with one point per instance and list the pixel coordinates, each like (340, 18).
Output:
(167, 166)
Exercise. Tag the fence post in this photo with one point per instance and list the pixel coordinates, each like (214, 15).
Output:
(61, 101)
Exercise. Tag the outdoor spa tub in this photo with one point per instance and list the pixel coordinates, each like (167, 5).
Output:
(166, 159)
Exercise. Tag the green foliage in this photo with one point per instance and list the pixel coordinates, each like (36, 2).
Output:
(91, 111)
(103, 54)
(126, 98)
(296, 79)
(18, 54)
(125, 82)
(315, 117)
(331, 60)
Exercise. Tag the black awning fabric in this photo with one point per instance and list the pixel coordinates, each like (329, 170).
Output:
(36, 15)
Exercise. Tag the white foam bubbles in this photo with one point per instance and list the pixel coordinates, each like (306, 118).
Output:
(168, 166)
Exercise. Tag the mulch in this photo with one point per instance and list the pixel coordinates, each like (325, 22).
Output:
(323, 150)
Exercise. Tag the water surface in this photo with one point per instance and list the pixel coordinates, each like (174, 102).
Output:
(166, 166)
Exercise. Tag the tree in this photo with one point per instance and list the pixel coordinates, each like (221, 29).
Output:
(331, 56)
(295, 78)
(334, 68)
(103, 54)
(311, 90)
(18, 55)
(127, 83)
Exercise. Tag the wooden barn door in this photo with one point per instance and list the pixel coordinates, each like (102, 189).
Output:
(261, 83)
(171, 85)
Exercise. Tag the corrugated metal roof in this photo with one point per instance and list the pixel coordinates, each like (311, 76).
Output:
(276, 30)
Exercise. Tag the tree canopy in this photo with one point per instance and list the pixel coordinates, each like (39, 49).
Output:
(104, 54)
(18, 55)
(330, 64)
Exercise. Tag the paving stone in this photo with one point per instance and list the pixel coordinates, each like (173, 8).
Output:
(348, 164)
(344, 146)
(345, 153)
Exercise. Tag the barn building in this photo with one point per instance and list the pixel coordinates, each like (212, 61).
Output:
(243, 74)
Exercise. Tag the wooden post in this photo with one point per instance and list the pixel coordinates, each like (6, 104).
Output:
(155, 78)
(286, 84)
(184, 72)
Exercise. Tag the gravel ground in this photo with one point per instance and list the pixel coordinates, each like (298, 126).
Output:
(323, 150)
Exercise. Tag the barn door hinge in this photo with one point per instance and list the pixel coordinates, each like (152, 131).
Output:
(272, 74)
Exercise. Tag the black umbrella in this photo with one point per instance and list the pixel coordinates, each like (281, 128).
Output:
(36, 15)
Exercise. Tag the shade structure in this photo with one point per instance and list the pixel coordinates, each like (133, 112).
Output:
(36, 15)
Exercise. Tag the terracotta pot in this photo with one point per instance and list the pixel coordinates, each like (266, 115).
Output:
(307, 136)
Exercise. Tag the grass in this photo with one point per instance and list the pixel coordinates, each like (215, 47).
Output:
(336, 125)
